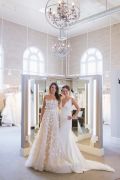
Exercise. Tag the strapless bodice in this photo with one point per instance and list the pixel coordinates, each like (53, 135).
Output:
(51, 105)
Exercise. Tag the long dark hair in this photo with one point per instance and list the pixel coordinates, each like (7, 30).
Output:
(57, 90)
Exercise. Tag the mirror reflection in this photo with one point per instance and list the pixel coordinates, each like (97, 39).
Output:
(79, 93)
(36, 94)
(85, 126)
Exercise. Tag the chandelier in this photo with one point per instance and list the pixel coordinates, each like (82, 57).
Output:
(61, 48)
(62, 13)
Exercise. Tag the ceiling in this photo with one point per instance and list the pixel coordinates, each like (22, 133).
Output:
(31, 13)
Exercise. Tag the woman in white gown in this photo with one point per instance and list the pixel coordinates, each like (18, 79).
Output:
(54, 148)
(72, 154)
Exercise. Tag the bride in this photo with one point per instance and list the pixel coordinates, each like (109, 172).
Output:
(54, 148)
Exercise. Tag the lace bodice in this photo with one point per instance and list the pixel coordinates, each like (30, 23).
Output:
(51, 105)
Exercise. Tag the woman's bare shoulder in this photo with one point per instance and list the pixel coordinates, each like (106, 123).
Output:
(47, 96)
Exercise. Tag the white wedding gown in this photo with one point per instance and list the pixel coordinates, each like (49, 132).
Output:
(54, 148)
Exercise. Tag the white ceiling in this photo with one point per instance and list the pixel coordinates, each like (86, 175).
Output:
(27, 12)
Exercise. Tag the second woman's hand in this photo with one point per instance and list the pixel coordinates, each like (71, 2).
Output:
(74, 117)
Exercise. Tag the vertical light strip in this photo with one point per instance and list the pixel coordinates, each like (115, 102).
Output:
(87, 39)
(34, 120)
(38, 104)
(86, 67)
(110, 68)
(28, 64)
(68, 56)
(29, 108)
(47, 54)
(89, 106)
(62, 69)
(66, 65)
(86, 104)
(2, 32)
(110, 29)
(94, 107)
(27, 37)
(2, 57)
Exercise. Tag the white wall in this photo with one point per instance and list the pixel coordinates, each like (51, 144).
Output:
(108, 46)
(13, 38)
(14, 42)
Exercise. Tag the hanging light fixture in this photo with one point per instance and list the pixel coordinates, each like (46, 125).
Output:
(62, 13)
(63, 35)
(61, 48)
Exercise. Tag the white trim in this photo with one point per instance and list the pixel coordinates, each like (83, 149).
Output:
(55, 75)
(25, 151)
(91, 150)
(115, 141)
(73, 75)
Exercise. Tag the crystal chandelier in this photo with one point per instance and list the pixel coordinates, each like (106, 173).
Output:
(61, 48)
(62, 13)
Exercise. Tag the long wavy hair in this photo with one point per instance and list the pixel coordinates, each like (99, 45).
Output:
(57, 90)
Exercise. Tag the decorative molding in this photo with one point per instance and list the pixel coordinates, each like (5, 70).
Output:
(91, 150)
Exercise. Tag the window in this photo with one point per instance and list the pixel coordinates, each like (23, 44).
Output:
(1, 66)
(33, 61)
(91, 62)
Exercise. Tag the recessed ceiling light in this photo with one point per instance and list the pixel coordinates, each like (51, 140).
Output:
(42, 10)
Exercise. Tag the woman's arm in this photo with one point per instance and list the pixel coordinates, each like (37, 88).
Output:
(77, 107)
(43, 109)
